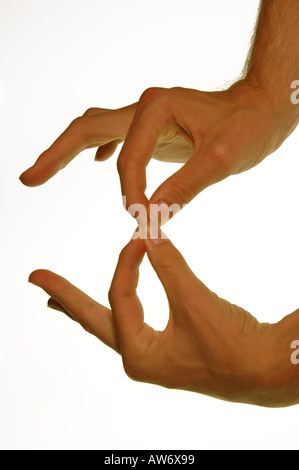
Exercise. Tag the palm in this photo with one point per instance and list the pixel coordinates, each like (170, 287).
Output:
(173, 148)
(174, 145)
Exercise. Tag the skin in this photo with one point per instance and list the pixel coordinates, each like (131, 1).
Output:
(209, 345)
(216, 134)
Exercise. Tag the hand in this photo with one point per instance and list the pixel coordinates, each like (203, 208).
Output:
(228, 132)
(102, 128)
(97, 127)
(216, 134)
(209, 345)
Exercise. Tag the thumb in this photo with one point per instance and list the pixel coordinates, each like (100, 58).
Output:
(185, 292)
(183, 186)
(170, 266)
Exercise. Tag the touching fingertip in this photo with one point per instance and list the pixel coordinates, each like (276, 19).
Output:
(31, 279)
(155, 236)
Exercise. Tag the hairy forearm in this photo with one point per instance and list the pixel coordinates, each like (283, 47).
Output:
(273, 60)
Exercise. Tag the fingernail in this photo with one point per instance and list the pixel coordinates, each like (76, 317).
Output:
(161, 212)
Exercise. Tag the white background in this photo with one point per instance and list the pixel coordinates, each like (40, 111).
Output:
(60, 388)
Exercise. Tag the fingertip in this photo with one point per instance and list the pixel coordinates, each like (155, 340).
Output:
(41, 171)
(33, 278)
(52, 303)
(101, 158)
(25, 178)
(130, 256)
(155, 237)
(158, 246)
(37, 276)
(30, 179)
(102, 155)
(136, 244)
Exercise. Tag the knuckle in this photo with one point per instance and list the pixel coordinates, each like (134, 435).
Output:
(133, 368)
(151, 95)
(177, 89)
(116, 284)
(219, 155)
(126, 164)
(121, 164)
(78, 122)
(90, 111)
(111, 294)
(79, 125)
(121, 256)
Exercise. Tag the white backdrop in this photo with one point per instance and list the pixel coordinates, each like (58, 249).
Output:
(60, 388)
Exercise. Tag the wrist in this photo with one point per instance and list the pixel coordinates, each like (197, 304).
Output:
(277, 380)
(274, 106)
(280, 96)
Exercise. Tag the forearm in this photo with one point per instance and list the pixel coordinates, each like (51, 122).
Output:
(273, 61)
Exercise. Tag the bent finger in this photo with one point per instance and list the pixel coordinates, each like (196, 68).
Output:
(126, 307)
(149, 122)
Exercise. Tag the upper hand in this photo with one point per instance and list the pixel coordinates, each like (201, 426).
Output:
(216, 134)
(102, 128)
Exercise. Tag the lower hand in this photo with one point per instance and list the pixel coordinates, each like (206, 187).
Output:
(209, 346)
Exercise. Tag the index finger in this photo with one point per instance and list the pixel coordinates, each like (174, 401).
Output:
(90, 130)
(126, 307)
(149, 122)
